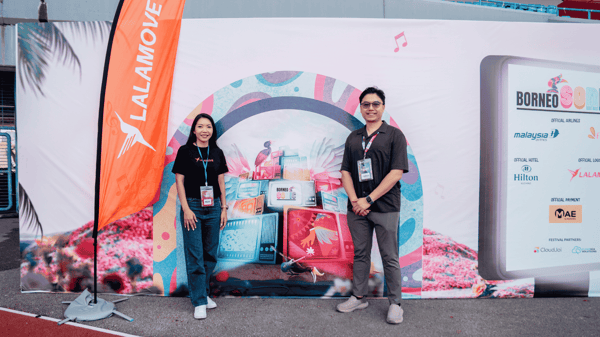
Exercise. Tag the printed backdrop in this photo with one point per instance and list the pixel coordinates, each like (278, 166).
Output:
(284, 94)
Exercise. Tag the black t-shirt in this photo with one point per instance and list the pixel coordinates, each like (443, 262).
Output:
(189, 164)
(387, 152)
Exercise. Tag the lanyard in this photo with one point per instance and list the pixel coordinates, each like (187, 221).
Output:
(205, 163)
(368, 145)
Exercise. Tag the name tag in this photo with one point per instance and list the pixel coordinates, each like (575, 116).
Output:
(207, 196)
(365, 170)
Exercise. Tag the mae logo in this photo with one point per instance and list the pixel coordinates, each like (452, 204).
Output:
(540, 136)
(565, 214)
(547, 250)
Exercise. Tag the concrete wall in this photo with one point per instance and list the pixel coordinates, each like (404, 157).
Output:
(14, 11)
(7, 45)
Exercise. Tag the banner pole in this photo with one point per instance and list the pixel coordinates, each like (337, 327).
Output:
(99, 145)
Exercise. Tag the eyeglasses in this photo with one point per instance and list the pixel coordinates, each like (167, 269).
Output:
(366, 105)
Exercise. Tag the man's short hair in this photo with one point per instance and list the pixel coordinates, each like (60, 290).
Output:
(373, 90)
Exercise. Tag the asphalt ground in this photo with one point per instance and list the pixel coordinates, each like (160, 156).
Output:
(171, 316)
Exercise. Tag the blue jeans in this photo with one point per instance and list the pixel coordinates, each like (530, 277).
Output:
(200, 246)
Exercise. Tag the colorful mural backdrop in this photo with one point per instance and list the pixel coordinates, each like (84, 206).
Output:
(283, 131)
(284, 101)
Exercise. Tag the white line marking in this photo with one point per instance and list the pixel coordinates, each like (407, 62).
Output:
(117, 333)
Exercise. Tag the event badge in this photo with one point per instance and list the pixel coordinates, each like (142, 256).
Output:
(365, 170)
(207, 196)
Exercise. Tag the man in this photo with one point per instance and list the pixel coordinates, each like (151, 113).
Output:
(374, 160)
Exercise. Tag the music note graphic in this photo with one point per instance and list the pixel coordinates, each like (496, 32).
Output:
(439, 190)
(404, 44)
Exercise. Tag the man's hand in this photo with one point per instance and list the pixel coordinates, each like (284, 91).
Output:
(361, 206)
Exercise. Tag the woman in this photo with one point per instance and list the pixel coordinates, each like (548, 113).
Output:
(199, 169)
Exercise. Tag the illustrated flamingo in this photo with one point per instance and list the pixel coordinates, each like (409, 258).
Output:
(264, 154)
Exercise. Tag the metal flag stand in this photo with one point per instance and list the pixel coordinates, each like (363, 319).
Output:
(88, 307)
(85, 309)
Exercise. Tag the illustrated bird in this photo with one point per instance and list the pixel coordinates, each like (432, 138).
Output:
(554, 81)
(133, 136)
(264, 154)
(292, 266)
(574, 173)
(322, 234)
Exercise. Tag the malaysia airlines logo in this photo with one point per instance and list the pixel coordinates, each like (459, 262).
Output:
(133, 136)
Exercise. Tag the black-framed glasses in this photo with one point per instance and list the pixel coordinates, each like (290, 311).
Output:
(366, 105)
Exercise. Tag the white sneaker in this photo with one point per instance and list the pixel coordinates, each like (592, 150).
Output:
(200, 312)
(395, 314)
(211, 304)
(352, 304)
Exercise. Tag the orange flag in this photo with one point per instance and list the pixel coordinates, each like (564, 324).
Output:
(134, 106)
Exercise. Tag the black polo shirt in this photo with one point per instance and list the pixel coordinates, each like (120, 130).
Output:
(189, 163)
(387, 152)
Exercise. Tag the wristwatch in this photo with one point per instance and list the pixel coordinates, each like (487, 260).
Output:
(369, 200)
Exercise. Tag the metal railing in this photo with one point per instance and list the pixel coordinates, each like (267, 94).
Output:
(528, 7)
(7, 172)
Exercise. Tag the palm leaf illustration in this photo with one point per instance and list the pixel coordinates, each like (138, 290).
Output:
(27, 212)
(40, 43)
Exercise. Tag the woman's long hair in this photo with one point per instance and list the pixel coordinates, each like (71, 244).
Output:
(192, 137)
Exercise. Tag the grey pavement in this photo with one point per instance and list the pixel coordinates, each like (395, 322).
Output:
(170, 316)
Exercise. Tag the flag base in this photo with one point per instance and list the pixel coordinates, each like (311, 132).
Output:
(83, 309)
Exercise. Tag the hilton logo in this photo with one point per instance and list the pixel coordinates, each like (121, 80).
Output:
(526, 168)
(525, 178)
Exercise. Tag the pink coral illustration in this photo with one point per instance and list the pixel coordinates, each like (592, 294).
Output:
(451, 266)
(124, 257)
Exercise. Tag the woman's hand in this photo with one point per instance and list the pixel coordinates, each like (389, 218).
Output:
(189, 219)
(223, 218)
